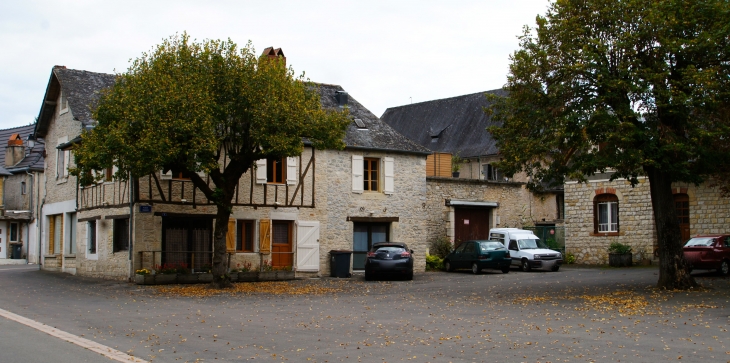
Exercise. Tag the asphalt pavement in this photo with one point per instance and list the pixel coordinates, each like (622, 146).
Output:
(575, 315)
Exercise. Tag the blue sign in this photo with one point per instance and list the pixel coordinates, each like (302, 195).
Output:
(145, 208)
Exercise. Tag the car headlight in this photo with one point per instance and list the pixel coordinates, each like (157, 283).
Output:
(560, 255)
(536, 257)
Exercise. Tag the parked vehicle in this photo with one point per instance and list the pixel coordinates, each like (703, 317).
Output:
(478, 255)
(527, 250)
(709, 252)
(389, 258)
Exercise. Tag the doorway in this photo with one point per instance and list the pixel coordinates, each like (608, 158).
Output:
(471, 224)
(364, 235)
(281, 244)
(187, 241)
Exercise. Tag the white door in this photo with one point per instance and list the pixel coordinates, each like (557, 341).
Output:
(3, 244)
(307, 246)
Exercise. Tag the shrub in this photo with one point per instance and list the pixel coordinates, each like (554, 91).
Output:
(267, 266)
(441, 247)
(434, 263)
(569, 258)
(619, 248)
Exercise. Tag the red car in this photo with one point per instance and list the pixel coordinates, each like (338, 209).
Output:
(709, 252)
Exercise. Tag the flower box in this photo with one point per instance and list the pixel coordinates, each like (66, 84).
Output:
(620, 259)
(250, 276)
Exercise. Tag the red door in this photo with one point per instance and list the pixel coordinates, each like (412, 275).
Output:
(281, 244)
(471, 223)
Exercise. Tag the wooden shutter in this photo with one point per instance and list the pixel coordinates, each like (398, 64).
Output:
(265, 236)
(291, 170)
(261, 171)
(388, 175)
(231, 236)
(307, 246)
(357, 174)
(51, 233)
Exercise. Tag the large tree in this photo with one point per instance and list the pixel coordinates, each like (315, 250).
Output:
(206, 107)
(637, 87)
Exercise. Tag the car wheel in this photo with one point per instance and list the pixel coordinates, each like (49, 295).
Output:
(525, 266)
(475, 269)
(724, 268)
(368, 276)
(447, 266)
(409, 276)
(556, 268)
(505, 270)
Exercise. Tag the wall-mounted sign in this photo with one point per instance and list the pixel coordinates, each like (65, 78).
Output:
(466, 221)
(145, 208)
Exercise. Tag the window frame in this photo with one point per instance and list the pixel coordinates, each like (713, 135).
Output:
(611, 204)
(245, 228)
(276, 170)
(119, 233)
(371, 165)
(15, 230)
(63, 103)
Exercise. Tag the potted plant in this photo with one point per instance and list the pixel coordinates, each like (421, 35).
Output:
(456, 161)
(619, 255)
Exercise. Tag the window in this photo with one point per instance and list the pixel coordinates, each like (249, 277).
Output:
(108, 174)
(244, 236)
(91, 236)
(370, 170)
(72, 233)
(60, 163)
(121, 234)
(605, 210)
(491, 173)
(55, 233)
(22, 188)
(63, 106)
(13, 232)
(276, 170)
(560, 204)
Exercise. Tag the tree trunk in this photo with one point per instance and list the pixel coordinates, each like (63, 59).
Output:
(220, 263)
(673, 272)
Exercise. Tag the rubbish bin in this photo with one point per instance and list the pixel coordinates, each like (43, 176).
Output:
(340, 263)
(16, 252)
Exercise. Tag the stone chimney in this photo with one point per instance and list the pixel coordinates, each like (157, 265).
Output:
(15, 151)
(272, 53)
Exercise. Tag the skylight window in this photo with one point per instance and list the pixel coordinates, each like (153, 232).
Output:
(360, 124)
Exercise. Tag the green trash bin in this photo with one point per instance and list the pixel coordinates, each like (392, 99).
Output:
(340, 263)
(16, 252)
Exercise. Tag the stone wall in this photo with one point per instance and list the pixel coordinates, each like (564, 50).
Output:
(709, 213)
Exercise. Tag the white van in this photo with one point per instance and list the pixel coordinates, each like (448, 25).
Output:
(527, 250)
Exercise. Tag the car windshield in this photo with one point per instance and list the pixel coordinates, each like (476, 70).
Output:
(490, 246)
(701, 241)
(530, 244)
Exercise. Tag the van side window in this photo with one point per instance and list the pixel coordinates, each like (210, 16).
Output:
(513, 245)
(460, 249)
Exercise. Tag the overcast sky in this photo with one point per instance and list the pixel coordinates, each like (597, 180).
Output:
(384, 53)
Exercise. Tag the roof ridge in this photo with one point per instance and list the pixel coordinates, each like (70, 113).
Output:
(449, 98)
(17, 127)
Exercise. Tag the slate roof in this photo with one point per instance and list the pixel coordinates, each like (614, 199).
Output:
(4, 171)
(33, 160)
(376, 134)
(450, 125)
(82, 91)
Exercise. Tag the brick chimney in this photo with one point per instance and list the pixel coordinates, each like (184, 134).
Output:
(274, 54)
(15, 151)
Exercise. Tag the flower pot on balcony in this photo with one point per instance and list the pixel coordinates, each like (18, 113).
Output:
(455, 174)
(620, 259)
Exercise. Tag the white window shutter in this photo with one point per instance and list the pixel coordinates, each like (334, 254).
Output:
(67, 155)
(388, 175)
(261, 171)
(166, 176)
(357, 174)
(291, 170)
(307, 246)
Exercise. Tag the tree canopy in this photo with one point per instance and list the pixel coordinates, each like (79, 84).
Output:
(205, 106)
(640, 88)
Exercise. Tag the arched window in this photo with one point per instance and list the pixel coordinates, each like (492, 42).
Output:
(605, 214)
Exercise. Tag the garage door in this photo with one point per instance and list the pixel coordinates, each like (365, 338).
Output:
(472, 223)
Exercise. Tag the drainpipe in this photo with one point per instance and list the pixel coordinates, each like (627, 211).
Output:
(32, 185)
(131, 227)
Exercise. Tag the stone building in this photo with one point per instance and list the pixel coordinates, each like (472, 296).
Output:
(601, 211)
(22, 176)
(465, 205)
(289, 212)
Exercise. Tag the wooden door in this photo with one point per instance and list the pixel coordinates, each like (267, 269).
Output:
(471, 224)
(281, 244)
(681, 204)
